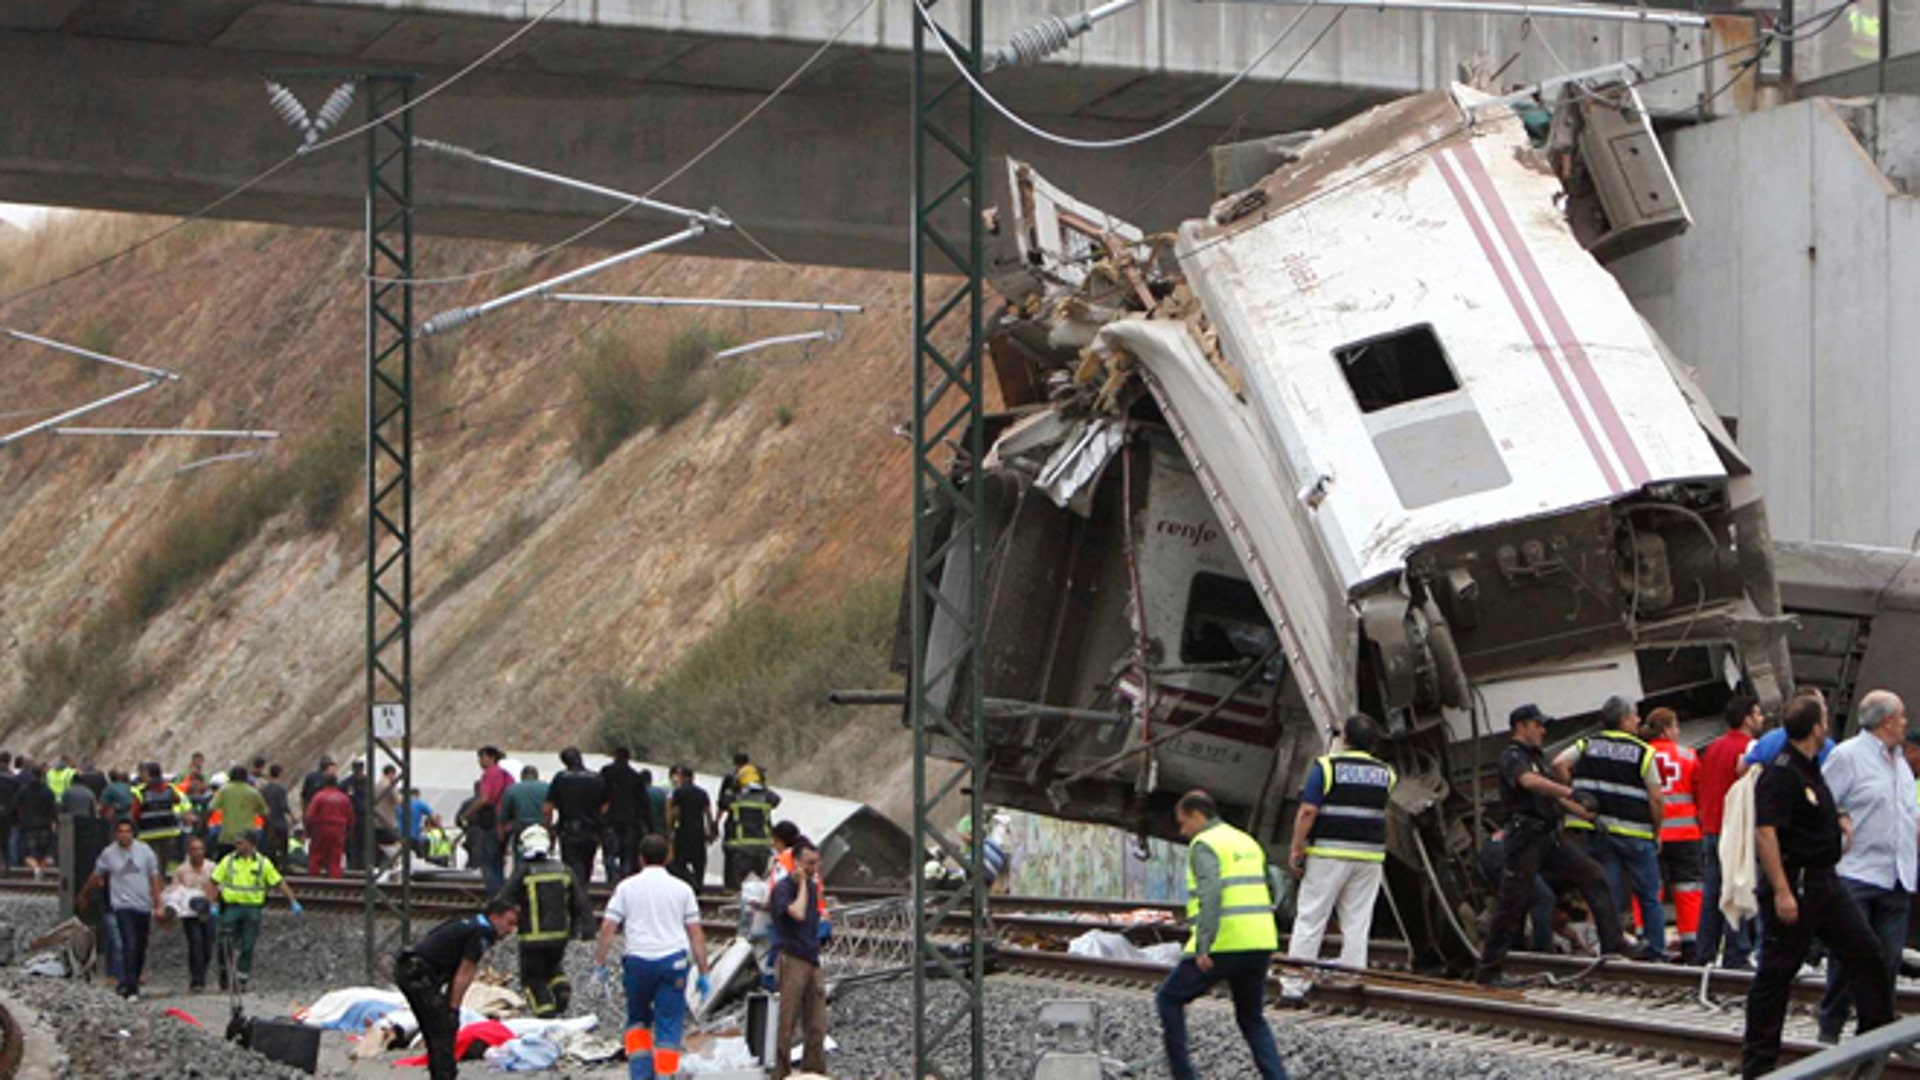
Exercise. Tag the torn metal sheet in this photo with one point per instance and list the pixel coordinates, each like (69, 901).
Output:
(1071, 473)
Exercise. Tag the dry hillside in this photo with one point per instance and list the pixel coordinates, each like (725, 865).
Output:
(760, 510)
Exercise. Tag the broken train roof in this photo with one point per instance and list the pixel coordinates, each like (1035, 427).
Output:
(1397, 339)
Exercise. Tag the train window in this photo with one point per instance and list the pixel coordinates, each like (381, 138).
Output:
(1225, 622)
(1396, 368)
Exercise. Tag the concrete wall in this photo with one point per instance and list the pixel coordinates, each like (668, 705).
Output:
(1797, 297)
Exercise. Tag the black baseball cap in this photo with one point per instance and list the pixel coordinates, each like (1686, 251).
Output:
(1526, 712)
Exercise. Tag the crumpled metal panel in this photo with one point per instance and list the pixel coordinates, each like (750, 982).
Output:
(1248, 482)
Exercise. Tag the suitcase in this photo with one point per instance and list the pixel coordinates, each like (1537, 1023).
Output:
(288, 1042)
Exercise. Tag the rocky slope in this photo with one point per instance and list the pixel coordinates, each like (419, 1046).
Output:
(535, 577)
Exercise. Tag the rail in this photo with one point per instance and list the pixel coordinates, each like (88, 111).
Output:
(1869, 1055)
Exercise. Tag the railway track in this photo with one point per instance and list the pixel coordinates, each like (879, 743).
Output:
(1658, 1019)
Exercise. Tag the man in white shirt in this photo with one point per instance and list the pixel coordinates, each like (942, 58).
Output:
(660, 918)
(1873, 787)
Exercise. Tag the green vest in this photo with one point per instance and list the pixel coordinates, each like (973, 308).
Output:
(439, 844)
(549, 906)
(60, 780)
(244, 882)
(1246, 906)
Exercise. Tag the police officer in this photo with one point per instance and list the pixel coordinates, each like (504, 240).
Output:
(749, 833)
(1534, 804)
(1799, 840)
(1340, 849)
(434, 975)
(1232, 937)
(1615, 767)
(554, 909)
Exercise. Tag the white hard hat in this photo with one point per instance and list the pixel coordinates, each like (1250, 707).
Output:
(535, 843)
(218, 779)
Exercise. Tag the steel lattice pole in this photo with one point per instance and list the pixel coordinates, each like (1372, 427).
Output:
(946, 695)
(389, 715)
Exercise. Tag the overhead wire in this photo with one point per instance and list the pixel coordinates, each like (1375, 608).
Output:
(1238, 125)
(946, 46)
(724, 137)
(284, 163)
(1474, 121)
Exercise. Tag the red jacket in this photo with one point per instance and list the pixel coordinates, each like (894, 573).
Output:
(330, 812)
(1719, 768)
(1678, 765)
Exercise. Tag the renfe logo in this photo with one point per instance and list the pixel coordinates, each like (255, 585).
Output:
(1195, 533)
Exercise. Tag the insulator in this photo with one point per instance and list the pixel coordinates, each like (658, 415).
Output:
(287, 105)
(334, 107)
(449, 320)
(1032, 44)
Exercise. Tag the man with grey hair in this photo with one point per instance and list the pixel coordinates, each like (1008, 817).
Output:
(1873, 787)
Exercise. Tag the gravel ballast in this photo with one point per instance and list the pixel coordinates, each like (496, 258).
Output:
(301, 957)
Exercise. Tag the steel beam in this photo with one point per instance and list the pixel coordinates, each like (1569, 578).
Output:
(949, 141)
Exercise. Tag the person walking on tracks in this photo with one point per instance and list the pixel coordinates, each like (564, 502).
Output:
(629, 814)
(659, 917)
(1799, 837)
(1874, 788)
(1720, 769)
(748, 830)
(1340, 850)
(130, 872)
(796, 903)
(330, 821)
(433, 975)
(1615, 767)
(553, 902)
(1534, 804)
(690, 817)
(160, 810)
(243, 878)
(1233, 936)
(1681, 860)
(574, 804)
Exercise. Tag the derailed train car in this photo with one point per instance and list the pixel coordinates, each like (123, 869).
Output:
(1378, 434)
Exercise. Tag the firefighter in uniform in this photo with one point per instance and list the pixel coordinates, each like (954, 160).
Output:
(1680, 847)
(1615, 767)
(1533, 804)
(159, 811)
(553, 910)
(749, 834)
(1340, 849)
(1230, 894)
(243, 877)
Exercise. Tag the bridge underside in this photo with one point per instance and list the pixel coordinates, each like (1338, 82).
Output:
(135, 106)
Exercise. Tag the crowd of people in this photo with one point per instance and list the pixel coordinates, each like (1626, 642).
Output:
(1765, 845)
(652, 843)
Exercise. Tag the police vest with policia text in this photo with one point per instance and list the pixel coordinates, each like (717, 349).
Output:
(1613, 768)
(1352, 818)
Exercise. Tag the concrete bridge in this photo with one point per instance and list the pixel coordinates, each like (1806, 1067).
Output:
(159, 107)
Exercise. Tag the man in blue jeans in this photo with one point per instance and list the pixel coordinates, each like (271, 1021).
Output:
(1615, 768)
(1873, 787)
(660, 919)
(1232, 936)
